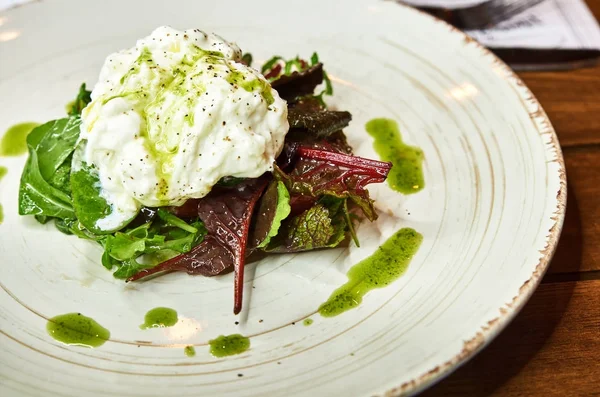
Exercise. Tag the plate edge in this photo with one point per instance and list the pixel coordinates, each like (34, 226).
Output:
(510, 309)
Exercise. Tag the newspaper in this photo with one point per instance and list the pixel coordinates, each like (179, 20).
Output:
(550, 24)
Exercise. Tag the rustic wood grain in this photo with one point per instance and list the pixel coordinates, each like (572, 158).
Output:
(551, 349)
(571, 99)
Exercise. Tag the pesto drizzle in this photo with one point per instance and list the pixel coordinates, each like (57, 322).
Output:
(382, 268)
(160, 317)
(229, 345)
(77, 329)
(406, 175)
(14, 140)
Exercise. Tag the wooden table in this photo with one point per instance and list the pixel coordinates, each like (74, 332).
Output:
(552, 348)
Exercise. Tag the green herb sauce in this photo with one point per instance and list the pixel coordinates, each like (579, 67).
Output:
(189, 351)
(160, 317)
(406, 175)
(14, 140)
(229, 345)
(235, 77)
(77, 329)
(382, 268)
(1, 214)
(3, 171)
(307, 321)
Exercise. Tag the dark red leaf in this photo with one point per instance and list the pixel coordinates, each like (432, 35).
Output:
(226, 213)
(299, 84)
(318, 171)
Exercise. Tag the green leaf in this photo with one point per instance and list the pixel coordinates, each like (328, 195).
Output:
(229, 181)
(62, 177)
(124, 247)
(38, 197)
(310, 230)
(314, 59)
(247, 59)
(270, 63)
(54, 142)
(328, 86)
(350, 223)
(128, 268)
(90, 207)
(108, 261)
(282, 211)
(43, 219)
(81, 101)
(45, 187)
(172, 220)
(145, 246)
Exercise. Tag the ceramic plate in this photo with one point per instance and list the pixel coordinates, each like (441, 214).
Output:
(490, 213)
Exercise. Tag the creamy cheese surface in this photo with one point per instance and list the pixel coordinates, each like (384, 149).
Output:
(172, 116)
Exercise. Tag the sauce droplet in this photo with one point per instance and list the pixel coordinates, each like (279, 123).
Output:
(406, 175)
(229, 345)
(307, 321)
(382, 268)
(14, 141)
(160, 317)
(77, 330)
(189, 351)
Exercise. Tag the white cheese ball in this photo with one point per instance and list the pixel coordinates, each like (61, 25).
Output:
(172, 116)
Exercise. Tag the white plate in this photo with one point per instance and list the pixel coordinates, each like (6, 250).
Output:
(490, 214)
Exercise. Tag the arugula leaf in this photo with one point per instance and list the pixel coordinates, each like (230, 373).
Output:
(273, 208)
(172, 220)
(143, 247)
(81, 101)
(73, 226)
(131, 244)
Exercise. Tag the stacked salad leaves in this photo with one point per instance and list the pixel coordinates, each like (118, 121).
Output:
(310, 201)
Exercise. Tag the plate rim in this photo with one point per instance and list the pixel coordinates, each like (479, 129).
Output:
(509, 310)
